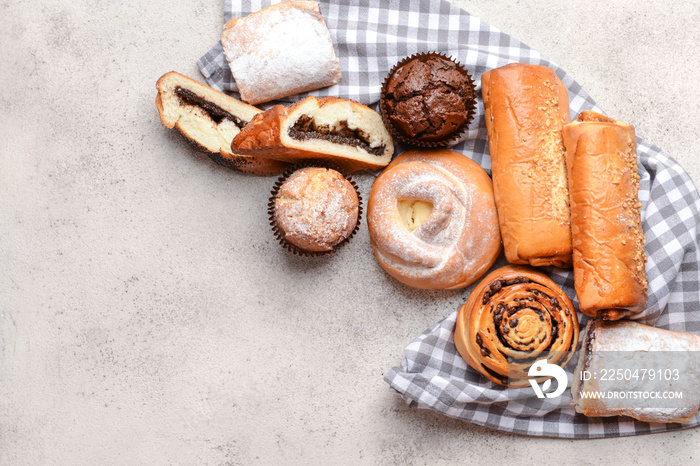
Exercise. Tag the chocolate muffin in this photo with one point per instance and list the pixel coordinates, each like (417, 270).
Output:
(428, 100)
(314, 210)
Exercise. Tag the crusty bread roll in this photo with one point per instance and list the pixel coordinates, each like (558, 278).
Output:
(279, 51)
(629, 358)
(526, 107)
(209, 119)
(432, 220)
(514, 316)
(608, 239)
(339, 131)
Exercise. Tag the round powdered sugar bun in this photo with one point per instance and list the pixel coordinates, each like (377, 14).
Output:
(432, 220)
(279, 51)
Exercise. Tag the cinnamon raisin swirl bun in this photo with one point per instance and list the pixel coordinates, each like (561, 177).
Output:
(515, 316)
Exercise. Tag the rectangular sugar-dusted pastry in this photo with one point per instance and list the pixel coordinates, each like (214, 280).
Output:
(279, 51)
(629, 369)
(609, 259)
(526, 107)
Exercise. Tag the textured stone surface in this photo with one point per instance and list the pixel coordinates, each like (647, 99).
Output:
(147, 315)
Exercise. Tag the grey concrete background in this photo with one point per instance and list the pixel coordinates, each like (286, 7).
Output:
(147, 316)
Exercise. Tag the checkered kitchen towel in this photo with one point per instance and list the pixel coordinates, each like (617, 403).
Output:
(370, 37)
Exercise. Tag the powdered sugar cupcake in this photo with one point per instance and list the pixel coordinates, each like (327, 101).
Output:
(314, 210)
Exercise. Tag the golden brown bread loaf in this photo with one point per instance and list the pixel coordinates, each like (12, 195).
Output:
(514, 316)
(432, 220)
(627, 358)
(526, 107)
(209, 119)
(608, 239)
(279, 51)
(339, 131)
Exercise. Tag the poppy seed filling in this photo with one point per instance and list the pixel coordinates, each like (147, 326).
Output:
(340, 133)
(215, 112)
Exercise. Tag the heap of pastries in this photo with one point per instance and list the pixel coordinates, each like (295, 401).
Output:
(563, 193)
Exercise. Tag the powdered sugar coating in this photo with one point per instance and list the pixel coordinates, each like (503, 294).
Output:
(457, 243)
(629, 344)
(316, 209)
(280, 51)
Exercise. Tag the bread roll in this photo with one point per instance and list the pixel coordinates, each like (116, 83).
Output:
(608, 239)
(514, 316)
(627, 357)
(209, 119)
(338, 131)
(432, 220)
(279, 51)
(526, 107)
